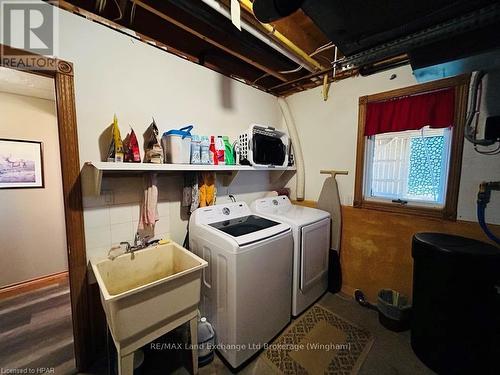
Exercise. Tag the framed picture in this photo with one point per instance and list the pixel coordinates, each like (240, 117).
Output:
(21, 164)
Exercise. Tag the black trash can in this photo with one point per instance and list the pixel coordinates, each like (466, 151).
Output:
(455, 325)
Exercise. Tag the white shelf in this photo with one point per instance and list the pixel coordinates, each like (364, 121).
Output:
(93, 172)
(148, 167)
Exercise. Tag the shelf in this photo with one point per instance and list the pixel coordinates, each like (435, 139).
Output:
(93, 172)
(148, 167)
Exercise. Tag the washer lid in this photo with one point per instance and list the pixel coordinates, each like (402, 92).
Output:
(240, 226)
(250, 229)
(299, 215)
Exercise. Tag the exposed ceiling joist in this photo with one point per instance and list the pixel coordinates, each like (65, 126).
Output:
(213, 42)
(197, 32)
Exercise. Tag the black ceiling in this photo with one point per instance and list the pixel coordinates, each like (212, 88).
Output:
(357, 25)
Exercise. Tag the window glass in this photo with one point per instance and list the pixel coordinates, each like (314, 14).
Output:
(410, 166)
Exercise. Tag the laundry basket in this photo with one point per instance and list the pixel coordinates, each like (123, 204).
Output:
(394, 310)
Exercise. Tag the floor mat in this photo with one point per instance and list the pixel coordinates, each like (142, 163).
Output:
(319, 342)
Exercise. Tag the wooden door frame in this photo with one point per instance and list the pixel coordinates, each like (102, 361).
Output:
(62, 73)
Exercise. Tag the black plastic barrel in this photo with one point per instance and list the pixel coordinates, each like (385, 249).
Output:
(455, 325)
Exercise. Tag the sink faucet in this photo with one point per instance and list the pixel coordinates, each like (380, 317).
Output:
(139, 243)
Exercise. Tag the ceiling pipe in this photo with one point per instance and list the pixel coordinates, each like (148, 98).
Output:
(213, 42)
(247, 4)
(263, 38)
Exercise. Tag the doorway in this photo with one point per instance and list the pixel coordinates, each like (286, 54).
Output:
(35, 306)
(75, 278)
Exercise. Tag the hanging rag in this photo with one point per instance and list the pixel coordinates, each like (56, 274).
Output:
(149, 206)
(187, 194)
(207, 189)
(190, 193)
(195, 195)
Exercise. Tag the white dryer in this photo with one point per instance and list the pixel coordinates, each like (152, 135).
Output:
(246, 291)
(311, 236)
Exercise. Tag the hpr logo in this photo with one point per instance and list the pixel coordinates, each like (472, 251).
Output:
(29, 25)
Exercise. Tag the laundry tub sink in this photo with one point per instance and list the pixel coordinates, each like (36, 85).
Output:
(147, 293)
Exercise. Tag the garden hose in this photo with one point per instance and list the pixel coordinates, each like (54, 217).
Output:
(483, 198)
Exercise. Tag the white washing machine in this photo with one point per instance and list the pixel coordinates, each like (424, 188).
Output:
(311, 237)
(246, 291)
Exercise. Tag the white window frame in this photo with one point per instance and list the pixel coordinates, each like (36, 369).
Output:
(368, 175)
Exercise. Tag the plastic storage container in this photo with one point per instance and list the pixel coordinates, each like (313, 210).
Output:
(177, 145)
(455, 325)
(394, 310)
(206, 342)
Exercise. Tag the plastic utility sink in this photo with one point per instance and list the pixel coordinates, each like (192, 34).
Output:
(146, 294)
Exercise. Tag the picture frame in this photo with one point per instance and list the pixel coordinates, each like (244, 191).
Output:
(21, 164)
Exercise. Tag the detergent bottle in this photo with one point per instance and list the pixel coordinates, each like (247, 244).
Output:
(213, 151)
(221, 150)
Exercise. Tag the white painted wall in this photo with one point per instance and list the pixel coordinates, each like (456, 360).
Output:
(328, 132)
(115, 73)
(32, 229)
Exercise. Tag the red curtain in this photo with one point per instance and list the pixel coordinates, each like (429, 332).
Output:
(434, 109)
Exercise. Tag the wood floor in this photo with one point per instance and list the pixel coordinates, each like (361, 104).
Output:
(36, 331)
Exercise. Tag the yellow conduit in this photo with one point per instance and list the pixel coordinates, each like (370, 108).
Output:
(247, 4)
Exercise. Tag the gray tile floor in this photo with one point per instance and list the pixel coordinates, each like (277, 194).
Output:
(390, 354)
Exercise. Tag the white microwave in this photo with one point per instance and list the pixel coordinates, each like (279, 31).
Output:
(263, 146)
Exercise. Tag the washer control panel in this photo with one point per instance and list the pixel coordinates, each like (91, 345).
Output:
(270, 204)
(219, 212)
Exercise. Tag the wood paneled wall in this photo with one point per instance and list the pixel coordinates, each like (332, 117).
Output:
(376, 247)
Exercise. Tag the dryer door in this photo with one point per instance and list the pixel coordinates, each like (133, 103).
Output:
(314, 241)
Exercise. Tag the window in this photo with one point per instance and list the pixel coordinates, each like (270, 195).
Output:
(411, 171)
(409, 166)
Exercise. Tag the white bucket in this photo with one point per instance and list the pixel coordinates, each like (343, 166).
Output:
(177, 146)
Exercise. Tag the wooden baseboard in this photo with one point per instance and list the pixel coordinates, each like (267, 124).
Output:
(26, 286)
